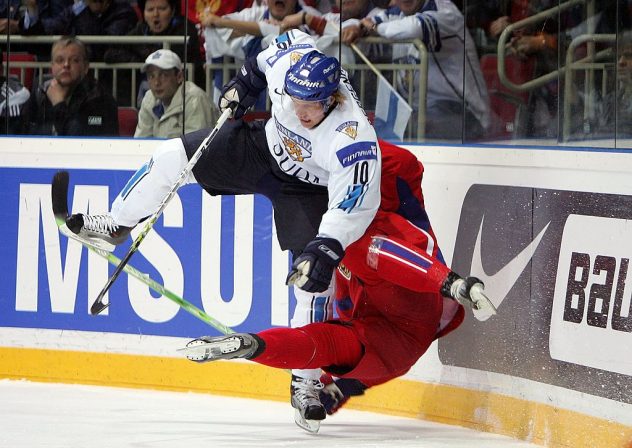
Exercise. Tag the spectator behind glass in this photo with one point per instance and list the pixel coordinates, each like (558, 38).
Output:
(10, 13)
(217, 8)
(11, 21)
(327, 27)
(323, 6)
(245, 33)
(84, 17)
(71, 103)
(612, 112)
(198, 7)
(18, 95)
(622, 96)
(454, 72)
(162, 113)
(9, 16)
(161, 18)
(328, 24)
(533, 51)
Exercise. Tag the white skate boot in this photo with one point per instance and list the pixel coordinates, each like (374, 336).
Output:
(99, 231)
(467, 291)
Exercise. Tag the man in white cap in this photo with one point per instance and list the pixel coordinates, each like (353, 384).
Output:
(172, 106)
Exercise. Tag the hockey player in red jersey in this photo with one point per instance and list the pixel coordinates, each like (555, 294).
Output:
(394, 296)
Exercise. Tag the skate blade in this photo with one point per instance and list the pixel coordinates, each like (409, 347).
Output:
(481, 301)
(311, 426)
(92, 242)
(197, 350)
(202, 350)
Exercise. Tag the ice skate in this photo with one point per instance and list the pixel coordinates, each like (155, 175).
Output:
(99, 231)
(308, 410)
(468, 292)
(209, 348)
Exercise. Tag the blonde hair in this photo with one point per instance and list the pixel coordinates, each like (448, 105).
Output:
(65, 41)
(339, 97)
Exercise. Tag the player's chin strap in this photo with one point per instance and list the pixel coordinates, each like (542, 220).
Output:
(328, 106)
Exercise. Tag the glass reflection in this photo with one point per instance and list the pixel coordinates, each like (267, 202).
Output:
(500, 71)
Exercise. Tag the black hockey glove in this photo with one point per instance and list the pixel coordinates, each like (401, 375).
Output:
(312, 270)
(337, 392)
(241, 92)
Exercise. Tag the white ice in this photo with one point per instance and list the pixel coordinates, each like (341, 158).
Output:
(34, 415)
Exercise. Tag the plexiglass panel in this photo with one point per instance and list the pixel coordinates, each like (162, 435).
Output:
(540, 72)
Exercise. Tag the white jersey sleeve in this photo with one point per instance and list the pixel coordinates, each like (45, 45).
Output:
(429, 24)
(340, 153)
(220, 41)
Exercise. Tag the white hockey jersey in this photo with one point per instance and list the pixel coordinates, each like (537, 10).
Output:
(340, 153)
(441, 27)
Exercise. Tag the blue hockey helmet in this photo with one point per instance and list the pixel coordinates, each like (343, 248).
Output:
(315, 77)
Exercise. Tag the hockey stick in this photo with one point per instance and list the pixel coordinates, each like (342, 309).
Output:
(59, 193)
(98, 304)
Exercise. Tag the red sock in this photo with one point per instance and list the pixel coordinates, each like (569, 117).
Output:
(309, 347)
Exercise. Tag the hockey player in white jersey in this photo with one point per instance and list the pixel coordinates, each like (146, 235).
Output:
(317, 159)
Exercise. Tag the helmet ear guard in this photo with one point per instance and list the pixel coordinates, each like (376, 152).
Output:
(315, 77)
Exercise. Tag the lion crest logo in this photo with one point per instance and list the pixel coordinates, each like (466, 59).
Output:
(295, 56)
(292, 148)
(349, 128)
(297, 147)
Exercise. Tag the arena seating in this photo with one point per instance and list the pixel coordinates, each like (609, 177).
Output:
(29, 73)
(128, 119)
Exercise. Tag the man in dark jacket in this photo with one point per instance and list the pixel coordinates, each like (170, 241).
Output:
(72, 103)
(85, 17)
(10, 12)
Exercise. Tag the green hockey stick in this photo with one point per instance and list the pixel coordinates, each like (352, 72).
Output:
(98, 304)
(59, 193)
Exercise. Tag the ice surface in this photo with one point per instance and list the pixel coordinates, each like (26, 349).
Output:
(34, 415)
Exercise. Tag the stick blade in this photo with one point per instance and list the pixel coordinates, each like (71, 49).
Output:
(98, 306)
(59, 194)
